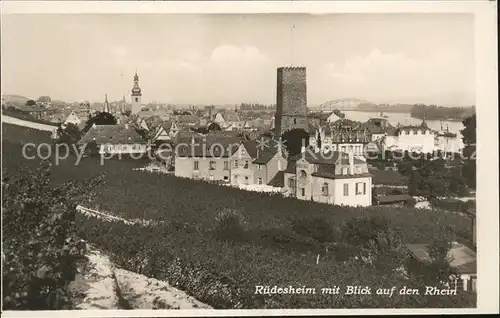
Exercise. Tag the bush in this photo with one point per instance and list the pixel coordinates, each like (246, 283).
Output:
(362, 231)
(230, 225)
(454, 205)
(288, 240)
(41, 251)
(320, 229)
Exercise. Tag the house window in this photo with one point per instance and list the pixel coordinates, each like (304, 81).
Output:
(324, 189)
(350, 148)
(291, 183)
(295, 121)
(344, 171)
(259, 181)
(246, 180)
(303, 192)
(343, 148)
(236, 163)
(346, 189)
(226, 165)
(246, 164)
(360, 188)
(136, 99)
(196, 165)
(211, 165)
(303, 174)
(259, 167)
(235, 178)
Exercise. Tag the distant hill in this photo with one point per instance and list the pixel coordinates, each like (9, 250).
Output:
(14, 99)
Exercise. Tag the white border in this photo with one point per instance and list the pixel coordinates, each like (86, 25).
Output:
(487, 130)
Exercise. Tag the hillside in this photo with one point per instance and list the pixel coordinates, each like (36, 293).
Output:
(14, 99)
(219, 243)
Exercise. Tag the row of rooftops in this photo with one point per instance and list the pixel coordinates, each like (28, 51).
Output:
(345, 129)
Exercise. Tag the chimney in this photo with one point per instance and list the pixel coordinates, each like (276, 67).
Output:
(351, 163)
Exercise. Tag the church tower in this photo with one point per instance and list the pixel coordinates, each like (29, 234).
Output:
(105, 107)
(136, 96)
(291, 100)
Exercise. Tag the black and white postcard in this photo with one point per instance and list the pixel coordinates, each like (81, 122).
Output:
(184, 158)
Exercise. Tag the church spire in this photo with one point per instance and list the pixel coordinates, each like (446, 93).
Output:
(106, 104)
(136, 90)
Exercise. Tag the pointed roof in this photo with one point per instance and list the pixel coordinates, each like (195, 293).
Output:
(136, 90)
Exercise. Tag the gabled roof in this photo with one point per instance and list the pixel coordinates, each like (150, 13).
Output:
(278, 180)
(463, 259)
(266, 150)
(112, 134)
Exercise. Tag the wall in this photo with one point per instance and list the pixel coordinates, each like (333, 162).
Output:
(407, 142)
(304, 183)
(317, 187)
(352, 199)
(286, 189)
(448, 144)
(240, 174)
(124, 149)
(184, 167)
(136, 105)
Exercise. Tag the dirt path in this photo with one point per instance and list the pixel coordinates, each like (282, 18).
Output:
(101, 285)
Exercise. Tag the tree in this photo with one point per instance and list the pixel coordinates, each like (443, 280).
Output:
(214, 127)
(40, 248)
(127, 112)
(469, 139)
(101, 118)
(294, 140)
(30, 103)
(69, 134)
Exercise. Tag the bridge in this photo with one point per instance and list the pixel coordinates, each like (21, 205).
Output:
(342, 104)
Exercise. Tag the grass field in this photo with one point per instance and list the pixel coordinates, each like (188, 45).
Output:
(268, 252)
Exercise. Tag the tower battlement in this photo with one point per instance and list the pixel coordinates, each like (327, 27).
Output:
(292, 68)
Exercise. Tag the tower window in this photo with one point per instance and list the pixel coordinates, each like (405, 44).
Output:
(136, 99)
(295, 121)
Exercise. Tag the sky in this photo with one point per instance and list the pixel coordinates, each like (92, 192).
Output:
(232, 58)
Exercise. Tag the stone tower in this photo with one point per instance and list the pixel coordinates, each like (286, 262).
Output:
(291, 100)
(136, 96)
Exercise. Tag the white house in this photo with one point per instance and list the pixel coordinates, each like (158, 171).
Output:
(329, 177)
(448, 142)
(73, 119)
(419, 138)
